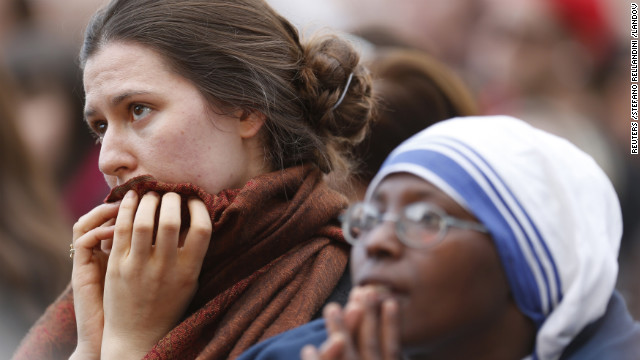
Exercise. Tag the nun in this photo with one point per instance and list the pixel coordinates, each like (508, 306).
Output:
(483, 238)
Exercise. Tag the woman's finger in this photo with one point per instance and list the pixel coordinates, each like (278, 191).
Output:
(368, 334)
(332, 314)
(124, 225)
(335, 348)
(94, 218)
(105, 245)
(84, 245)
(144, 224)
(390, 330)
(199, 233)
(354, 309)
(340, 340)
(168, 226)
(309, 352)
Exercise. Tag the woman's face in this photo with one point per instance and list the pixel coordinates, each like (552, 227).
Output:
(151, 120)
(444, 293)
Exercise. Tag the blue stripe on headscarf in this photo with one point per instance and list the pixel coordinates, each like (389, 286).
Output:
(543, 243)
(521, 279)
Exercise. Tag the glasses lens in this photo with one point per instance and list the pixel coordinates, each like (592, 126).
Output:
(421, 224)
(359, 219)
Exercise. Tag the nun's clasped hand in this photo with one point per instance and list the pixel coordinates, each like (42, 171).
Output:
(366, 328)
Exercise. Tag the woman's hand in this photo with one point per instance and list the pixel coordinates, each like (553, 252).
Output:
(149, 284)
(365, 329)
(92, 236)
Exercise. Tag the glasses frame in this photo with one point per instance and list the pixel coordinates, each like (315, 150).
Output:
(446, 221)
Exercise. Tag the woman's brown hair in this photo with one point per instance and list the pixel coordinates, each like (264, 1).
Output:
(241, 54)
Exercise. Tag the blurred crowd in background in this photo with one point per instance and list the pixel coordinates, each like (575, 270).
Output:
(562, 65)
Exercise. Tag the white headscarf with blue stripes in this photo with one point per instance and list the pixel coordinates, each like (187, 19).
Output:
(551, 211)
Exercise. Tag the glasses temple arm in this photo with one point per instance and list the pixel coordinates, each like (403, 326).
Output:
(463, 224)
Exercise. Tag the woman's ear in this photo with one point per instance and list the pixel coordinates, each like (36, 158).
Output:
(250, 123)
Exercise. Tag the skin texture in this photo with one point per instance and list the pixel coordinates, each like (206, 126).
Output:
(146, 288)
(130, 288)
(144, 114)
(458, 288)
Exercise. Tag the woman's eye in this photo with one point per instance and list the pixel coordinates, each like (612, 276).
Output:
(99, 128)
(369, 221)
(419, 213)
(430, 220)
(139, 111)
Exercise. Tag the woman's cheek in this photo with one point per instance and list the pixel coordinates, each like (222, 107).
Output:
(111, 181)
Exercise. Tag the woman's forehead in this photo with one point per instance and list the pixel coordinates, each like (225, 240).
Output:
(404, 188)
(124, 58)
(120, 69)
(404, 182)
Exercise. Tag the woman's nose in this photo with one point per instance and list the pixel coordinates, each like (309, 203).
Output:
(383, 241)
(117, 156)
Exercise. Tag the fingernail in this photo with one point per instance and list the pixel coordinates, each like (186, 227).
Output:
(351, 307)
(332, 309)
(130, 194)
(370, 296)
(308, 351)
(356, 293)
(390, 305)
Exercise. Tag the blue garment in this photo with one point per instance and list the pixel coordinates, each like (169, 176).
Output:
(614, 336)
(288, 344)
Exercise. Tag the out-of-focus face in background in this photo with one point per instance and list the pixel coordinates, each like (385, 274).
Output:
(45, 123)
(440, 27)
(521, 47)
(48, 98)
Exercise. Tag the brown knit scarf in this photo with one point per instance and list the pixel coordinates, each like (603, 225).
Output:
(275, 256)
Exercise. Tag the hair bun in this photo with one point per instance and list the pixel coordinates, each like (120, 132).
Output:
(329, 62)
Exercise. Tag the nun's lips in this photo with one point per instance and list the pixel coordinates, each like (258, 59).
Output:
(383, 287)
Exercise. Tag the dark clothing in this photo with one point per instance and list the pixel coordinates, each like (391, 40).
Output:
(288, 345)
(340, 293)
(614, 336)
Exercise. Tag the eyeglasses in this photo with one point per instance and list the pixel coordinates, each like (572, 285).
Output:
(420, 225)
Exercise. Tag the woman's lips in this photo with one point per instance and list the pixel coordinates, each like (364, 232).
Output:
(373, 294)
(380, 288)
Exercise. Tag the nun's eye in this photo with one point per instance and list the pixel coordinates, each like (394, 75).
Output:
(423, 215)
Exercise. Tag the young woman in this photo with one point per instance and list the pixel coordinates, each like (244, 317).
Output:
(479, 238)
(216, 125)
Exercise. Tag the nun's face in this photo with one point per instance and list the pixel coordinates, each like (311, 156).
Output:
(445, 293)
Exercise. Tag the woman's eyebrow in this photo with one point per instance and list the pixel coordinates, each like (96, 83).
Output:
(116, 100)
(420, 194)
(88, 113)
